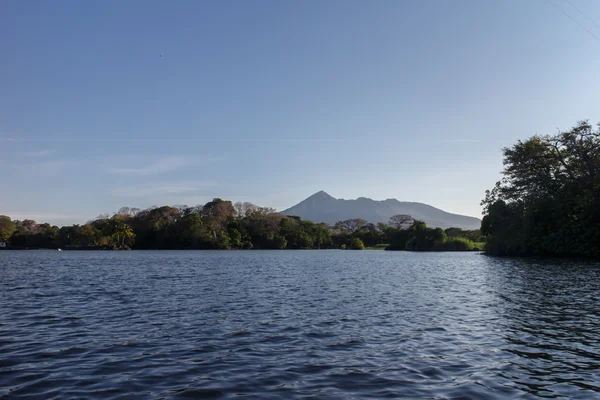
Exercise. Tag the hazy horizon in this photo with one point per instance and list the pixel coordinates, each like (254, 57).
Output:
(152, 103)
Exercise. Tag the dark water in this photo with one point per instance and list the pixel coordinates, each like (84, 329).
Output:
(296, 324)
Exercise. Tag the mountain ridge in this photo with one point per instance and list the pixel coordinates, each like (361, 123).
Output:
(322, 207)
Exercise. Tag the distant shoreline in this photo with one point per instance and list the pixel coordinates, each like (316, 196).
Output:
(223, 225)
(245, 250)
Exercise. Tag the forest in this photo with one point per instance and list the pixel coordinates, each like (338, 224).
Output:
(221, 225)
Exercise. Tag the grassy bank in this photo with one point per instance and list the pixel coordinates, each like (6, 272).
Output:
(377, 247)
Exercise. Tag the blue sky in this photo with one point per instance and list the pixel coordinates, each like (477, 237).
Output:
(140, 103)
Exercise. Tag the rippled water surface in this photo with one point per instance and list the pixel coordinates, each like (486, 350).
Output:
(296, 324)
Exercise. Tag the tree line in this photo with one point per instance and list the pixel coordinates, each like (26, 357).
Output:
(548, 201)
(221, 224)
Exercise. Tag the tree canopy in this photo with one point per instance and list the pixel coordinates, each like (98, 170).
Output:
(7, 227)
(548, 201)
(219, 224)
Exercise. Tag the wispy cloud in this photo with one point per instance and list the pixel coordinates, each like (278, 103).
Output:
(47, 168)
(162, 165)
(162, 189)
(39, 153)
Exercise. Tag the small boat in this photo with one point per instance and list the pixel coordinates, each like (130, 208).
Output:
(59, 249)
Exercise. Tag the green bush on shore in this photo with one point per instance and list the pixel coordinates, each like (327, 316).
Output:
(456, 244)
(357, 244)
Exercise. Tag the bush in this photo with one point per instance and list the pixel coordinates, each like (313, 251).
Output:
(357, 244)
(456, 244)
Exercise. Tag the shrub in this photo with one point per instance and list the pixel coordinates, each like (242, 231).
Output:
(357, 244)
(456, 244)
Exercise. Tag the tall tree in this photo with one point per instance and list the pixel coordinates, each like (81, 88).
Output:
(401, 221)
(352, 225)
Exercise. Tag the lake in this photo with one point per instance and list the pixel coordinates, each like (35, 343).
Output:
(296, 324)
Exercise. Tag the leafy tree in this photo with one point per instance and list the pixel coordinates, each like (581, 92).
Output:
(218, 208)
(423, 238)
(29, 234)
(7, 228)
(401, 221)
(235, 237)
(222, 241)
(548, 201)
(85, 235)
(191, 231)
(350, 225)
(279, 242)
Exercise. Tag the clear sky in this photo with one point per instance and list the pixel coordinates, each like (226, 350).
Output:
(137, 103)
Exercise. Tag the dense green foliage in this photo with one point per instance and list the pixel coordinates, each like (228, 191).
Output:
(357, 244)
(457, 244)
(219, 224)
(7, 227)
(548, 202)
(419, 237)
(472, 235)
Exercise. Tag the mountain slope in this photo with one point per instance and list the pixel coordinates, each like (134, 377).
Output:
(321, 207)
